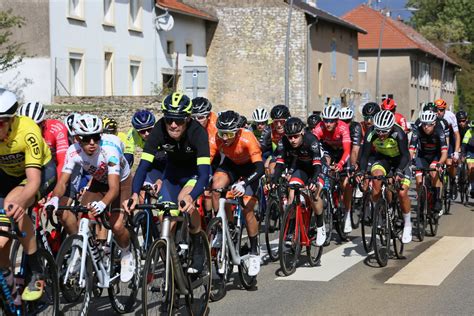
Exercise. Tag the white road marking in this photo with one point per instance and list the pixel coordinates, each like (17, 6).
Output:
(436, 263)
(333, 263)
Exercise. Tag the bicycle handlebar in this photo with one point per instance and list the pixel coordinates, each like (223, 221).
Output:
(83, 209)
(14, 229)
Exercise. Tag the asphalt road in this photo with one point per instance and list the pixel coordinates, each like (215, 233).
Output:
(435, 277)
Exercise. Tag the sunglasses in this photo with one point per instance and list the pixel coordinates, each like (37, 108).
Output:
(145, 131)
(200, 117)
(428, 124)
(279, 121)
(368, 118)
(228, 134)
(329, 121)
(382, 132)
(178, 121)
(261, 123)
(441, 110)
(294, 136)
(462, 121)
(87, 138)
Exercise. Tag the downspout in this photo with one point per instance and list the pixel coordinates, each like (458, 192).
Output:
(308, 64)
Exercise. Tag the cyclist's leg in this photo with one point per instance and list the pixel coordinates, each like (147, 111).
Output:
(222, 178)
(420, 163)
(118, 216)
(436, 185)
(379, 168)
(193, 212)
(405, 206)
(96, 192)
(67, 219)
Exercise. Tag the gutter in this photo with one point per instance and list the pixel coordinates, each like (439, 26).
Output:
(202, 17)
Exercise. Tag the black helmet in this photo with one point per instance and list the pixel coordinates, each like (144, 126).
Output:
(313, 120)
(430, 106)
(280, 112)
(109, 125)
(461, 115)
(228, 121)
(177, 105)
(370, 109)
(201, 106)
(242, 121)
(293, 126)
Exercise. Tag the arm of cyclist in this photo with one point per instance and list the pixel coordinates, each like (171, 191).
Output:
(98, 207)
(21, 201)
(130, 158)
(346, 147)
(413, 144)
(444, 150)
(62, 145)
(404, 155)
(316, 162)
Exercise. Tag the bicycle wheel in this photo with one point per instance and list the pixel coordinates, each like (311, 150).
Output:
(200, 284)
(433, 221)
(124, 295)
(328, 221)
(157, 294)
(289, 243)
(339, 220)
(356, 209)
(446, 196)
(243, 244)
(421, 212)
(272, 228)
(68, 263)
(142, 229)
(381, 232)
(220, 271)
(313, 251)
(396, 228)
(366, 223)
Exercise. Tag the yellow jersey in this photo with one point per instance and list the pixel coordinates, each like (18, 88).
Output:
(23, 148)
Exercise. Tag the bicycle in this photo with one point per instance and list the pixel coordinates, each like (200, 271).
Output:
(334, 214)
(356, 203)
(366, 218)
(95, 268)
(425, 205)
(464, 185)
(165, 276)
(446, 192)
(10, 295)
(298, 230)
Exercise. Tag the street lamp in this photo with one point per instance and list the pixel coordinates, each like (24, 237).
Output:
(377, 76)
(446, 46)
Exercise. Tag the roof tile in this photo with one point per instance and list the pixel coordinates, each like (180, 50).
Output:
(177, 6)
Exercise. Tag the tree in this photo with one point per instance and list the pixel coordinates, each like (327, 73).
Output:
(11, 52)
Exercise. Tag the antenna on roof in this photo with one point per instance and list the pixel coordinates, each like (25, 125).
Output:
(164, 22)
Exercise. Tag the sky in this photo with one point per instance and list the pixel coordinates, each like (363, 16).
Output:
(339, 7)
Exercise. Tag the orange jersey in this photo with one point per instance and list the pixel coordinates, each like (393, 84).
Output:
(211, 124)
(243, 150)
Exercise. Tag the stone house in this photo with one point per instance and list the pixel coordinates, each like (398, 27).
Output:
(108, 48)
(246, 55)
(410, 66)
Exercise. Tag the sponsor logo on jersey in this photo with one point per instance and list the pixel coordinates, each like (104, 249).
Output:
(34, 144)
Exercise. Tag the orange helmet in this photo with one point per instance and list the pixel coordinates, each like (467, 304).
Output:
(388, 104)
(441, 104)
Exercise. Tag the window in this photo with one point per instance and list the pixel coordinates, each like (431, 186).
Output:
(76, 9)
(351, 56)
(108, 74)
(320, 79)
(135, 77)
(135, 20)
(169, 47)
(414, 71)
(424, 75)
(449, 80)
(168, 82)
(109, 17)
(362, 66)
(76, 74)
(333, 59)
(189, 50)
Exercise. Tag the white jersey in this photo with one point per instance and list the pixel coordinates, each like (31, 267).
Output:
(452, 121)
(108, 159)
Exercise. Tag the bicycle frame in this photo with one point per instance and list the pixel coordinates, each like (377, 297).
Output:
(302, 217)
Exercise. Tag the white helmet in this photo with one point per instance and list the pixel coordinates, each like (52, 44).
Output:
(69, 122)
(428, 117)
(330, 112)
(87, 124)
(34, 110)
(260, 115)
(384, 120)
(346, 114)
(8, 103)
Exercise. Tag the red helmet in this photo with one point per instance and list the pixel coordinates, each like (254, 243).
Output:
(388, 104)
(441, 104)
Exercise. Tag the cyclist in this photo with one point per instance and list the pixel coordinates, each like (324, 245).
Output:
(347, 115)
(142, 122)
(27, 172)
(390, 143)
(299, 151)
(335, 139)
(468, 154)
(101, 156)
(368, 112)
(463, 123)
(279, 114)
(242, 167)
(243, 123)
(428, 143)
(430, 106)
(69, 123)
(110, 126)
(313, 120)
(187, 169)
(202, 112)
(54, 132)
(454, 143)
(390, 105)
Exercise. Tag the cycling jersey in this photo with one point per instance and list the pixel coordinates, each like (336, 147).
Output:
(450, 117)
(211, 124)
(108, 159)
(431, 146)
(440, 123)
(356, 133)
(401, 121)
(260, 135)
(56, 136)
(123, 137)
(131, 143)
(463, 131)
(468, 145)
(244, 149)
(337, 142)
(23, 148)
(270, 140)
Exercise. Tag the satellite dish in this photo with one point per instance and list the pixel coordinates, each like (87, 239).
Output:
(164, 22)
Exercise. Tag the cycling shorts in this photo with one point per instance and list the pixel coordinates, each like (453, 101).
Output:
(301, 176)
(389, 165)
(236, 172)
(97, 191)
(425, 163)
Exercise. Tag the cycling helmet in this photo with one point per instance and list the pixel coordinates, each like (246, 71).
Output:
(461, 115)
(242, 121)
(260, 115)
(428, 117)
(330, 112)
(430, 106)
(346, 114)
(384, 120)
(143, 119)
(370, 109)
(33, 110)
(177, 105)
(109, 125)
(388, 104)
(441, 104)
(69, 122)
(313, 120)
(293, 126)
(279, 112)
(8, 103)
(228, 121)
(87, 124)
(201, 106)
